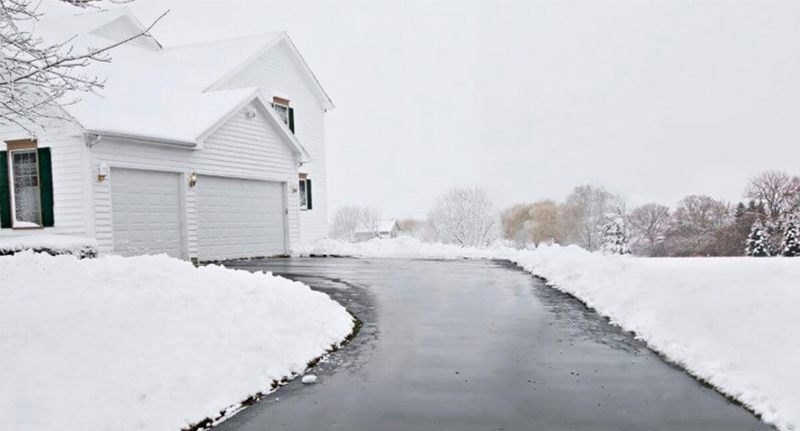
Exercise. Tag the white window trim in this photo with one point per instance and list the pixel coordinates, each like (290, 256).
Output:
(12, 192)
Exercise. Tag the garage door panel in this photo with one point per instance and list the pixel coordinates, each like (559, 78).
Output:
(239, 218)
(146, 212)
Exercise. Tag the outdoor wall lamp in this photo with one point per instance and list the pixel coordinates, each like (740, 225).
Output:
(193, 180)
(102, 172)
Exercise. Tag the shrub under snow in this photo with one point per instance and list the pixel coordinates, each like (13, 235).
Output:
(50, 244)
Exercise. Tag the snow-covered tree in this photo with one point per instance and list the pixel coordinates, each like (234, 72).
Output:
(791, 238)
(37, 77)
(464, 216)
(758, 241)
(584, 215)
(615, 236)
(351, 221)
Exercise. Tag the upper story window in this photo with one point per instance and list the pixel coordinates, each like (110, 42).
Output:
(284, 111)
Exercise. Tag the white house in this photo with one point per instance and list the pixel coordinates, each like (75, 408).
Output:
(208, 151)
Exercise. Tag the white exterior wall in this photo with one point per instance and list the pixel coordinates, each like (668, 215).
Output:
(278, 73)
(71, 180)
(250, 148)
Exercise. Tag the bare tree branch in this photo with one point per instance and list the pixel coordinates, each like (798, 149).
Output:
(38, 77)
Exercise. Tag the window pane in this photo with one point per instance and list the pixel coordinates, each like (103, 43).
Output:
(303, 194)
(283, 112)
(25, 168)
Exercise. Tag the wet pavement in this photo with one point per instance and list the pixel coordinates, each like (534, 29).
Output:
(478, 345)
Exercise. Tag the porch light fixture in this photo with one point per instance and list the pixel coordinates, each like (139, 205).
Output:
(193, 180)
(102, 172)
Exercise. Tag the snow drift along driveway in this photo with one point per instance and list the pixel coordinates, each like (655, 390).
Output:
(731, 321)
(147, 343)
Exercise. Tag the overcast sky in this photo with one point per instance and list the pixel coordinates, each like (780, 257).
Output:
(653, 100)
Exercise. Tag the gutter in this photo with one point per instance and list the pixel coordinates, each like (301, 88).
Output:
(94, 137)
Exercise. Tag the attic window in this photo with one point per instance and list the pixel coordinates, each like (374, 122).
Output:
(284, 111)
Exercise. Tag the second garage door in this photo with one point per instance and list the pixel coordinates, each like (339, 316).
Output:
(239, 218)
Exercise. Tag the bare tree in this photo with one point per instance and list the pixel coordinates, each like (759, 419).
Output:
(354, 223)
(39, 77)
(584, 215)
(696, 223)
(345, 223)
(532, 223)
(464, 216)
(779, 191)
(648, 224)
(369, 223)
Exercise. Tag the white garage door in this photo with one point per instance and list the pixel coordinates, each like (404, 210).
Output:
(239, 218)
(145, 208)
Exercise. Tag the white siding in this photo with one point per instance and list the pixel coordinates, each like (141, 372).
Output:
(279, 74)
(70, 178)
(244, 147)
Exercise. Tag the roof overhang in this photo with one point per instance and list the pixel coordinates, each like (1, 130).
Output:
(271, 116)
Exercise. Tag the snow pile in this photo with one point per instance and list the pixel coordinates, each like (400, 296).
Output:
(48, 243)
(148, 343)
(730, 321)
(400, 247)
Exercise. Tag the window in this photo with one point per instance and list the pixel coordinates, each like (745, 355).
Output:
(26, 185)
(27, 205)
(305, 192)
(284, 111)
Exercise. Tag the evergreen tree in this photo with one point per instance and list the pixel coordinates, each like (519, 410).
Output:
(758, 240)
(791, 238)
(615, 236)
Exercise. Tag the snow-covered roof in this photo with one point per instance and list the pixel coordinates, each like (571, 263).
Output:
(154, 92)
(383, 226)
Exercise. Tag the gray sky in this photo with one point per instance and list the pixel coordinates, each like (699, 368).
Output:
(653, 100)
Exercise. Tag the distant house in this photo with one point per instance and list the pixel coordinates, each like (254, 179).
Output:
(205, 151)
(386, 229)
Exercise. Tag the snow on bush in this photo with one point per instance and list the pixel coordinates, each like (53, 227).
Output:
(147, 343)
(730, 321)
(50, 244)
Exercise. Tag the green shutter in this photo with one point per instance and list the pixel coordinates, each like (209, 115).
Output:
(291, 119)
(5, 192)
(46, 187)
(308, 194)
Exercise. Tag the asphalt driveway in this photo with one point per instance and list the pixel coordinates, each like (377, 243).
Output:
(478, 345)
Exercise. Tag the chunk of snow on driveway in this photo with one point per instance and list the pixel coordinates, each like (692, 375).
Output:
(309, 379)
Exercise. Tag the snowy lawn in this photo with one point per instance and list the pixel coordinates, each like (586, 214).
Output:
(147, 343)
(733, 322)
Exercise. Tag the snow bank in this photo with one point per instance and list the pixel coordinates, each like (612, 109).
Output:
(147, 343)
(730, 321)
(400, 247)
(49, 243)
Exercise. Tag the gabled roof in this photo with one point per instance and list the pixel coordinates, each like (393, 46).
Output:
(172, 94)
